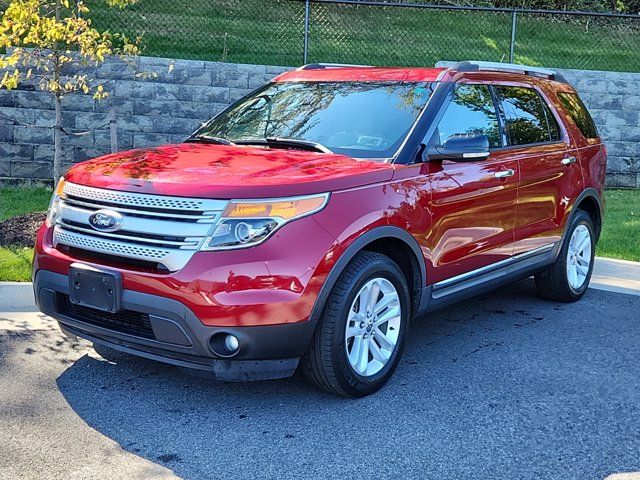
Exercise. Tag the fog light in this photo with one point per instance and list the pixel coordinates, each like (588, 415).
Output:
(231, 343)
(224, 344)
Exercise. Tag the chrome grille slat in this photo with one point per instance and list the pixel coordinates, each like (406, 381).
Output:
(109, 246)
(136, 224)
(154, 228)
(206, 217)
(192, 244)
(141, 200)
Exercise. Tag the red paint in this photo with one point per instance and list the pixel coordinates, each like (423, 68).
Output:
(219, 171)
(462, 217)
(359, 74)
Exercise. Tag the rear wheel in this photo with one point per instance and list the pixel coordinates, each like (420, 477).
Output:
(360, 337)
(568, 278)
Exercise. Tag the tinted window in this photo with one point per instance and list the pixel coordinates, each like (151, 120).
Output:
(578, 112)
(471, 111)
(554, 129)
(526, 120)
(360, 119)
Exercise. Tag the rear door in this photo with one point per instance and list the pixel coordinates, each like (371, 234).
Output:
(549, 173)
(473, 202)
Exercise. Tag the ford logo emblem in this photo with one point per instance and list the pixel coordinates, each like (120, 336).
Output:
(105, 220)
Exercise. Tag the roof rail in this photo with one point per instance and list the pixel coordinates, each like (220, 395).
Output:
(321, 66)
(474, 66)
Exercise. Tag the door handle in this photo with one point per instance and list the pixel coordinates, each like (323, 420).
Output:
(568, 160)
(505, 173)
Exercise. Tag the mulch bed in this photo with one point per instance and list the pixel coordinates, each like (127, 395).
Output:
(21, 231)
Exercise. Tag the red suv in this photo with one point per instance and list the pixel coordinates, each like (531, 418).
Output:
(306, 224)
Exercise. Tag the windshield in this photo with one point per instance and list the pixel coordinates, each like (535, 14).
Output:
(359, 119)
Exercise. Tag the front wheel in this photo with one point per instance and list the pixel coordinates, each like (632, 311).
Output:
(360, 337)
(568, 278)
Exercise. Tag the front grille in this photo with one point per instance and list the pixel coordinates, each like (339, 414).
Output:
(124, 321)
(135, 200)
(163, 230)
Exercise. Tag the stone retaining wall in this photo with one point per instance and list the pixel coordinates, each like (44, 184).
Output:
(166, 100)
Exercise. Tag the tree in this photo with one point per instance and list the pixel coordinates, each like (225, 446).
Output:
(52, 41)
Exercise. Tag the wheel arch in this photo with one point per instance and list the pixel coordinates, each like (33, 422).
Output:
(392, 241)
(591, 202)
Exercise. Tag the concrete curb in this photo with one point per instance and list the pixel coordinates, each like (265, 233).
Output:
(620, 276)
(17, 297)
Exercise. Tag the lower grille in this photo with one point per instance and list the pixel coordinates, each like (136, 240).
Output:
(124, 321)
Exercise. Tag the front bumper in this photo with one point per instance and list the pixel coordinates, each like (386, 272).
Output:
(176, 336)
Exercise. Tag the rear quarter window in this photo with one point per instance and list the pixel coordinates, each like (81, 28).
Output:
(579, 114)
(527, 121)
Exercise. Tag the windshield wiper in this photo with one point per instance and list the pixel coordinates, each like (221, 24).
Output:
(209, 139)
(276, 142)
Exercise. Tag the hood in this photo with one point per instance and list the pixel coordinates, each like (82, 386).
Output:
(221, 171)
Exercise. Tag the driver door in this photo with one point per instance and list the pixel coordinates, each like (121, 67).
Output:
(473, 202)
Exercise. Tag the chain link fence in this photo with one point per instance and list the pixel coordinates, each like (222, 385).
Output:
(402, 32)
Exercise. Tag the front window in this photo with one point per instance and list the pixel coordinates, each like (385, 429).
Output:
(359, 119)
(471, 111)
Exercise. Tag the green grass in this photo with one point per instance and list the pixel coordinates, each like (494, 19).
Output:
(620, 235)
(255, 31)
(621, 232)
(15, 262)
(18, 201)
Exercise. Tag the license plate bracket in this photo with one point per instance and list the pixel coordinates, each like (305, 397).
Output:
(94, 288)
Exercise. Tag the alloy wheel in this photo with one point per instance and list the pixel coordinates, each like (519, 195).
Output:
(373, 327)
(579, 257)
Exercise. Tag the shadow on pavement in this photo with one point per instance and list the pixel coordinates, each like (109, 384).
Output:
(505, 385)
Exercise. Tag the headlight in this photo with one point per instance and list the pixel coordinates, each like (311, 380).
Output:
(53, 204)
(246, 223)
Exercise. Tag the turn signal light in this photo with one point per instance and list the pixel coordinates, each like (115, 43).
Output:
(285, 209)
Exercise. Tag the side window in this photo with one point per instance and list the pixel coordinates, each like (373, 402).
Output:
(471, 111)
(554, 129)
(579, 114)
(526, 119)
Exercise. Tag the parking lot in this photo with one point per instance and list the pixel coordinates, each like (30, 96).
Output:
(502, 386)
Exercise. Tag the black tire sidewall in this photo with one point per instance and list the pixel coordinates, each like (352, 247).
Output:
(353, 383)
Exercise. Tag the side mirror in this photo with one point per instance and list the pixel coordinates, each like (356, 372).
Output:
(461, 147)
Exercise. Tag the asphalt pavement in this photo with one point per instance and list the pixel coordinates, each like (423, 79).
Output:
(503, 386)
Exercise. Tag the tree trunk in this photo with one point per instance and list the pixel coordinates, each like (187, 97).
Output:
(57, 128)
(57, 141)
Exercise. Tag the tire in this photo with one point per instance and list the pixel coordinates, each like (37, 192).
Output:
(556, 282)
(327, 362)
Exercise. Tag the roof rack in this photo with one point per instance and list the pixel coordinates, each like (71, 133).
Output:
(321, 66)
(474, 66)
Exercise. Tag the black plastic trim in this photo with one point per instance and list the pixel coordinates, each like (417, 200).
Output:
(180, 335)
(425, 124)
(217, 369)
(587, 193)
(490, 279)
(351, 251)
